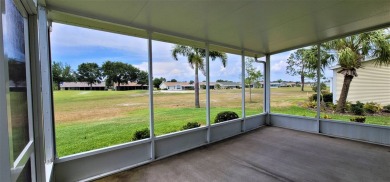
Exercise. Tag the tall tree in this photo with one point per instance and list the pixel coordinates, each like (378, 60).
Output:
(157, 82)
(90, 73)
(252, 75)
(353, 50)
(142, 77)
(303, 62)
(62, 73)
(195, 58)
(119, 72)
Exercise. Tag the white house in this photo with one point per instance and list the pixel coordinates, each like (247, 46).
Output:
(371, 85)
(274, 85)
(229, 85)
(176, 86)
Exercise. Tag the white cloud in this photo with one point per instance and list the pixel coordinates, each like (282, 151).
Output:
(78, 42)
(67, 36)
(280, 66)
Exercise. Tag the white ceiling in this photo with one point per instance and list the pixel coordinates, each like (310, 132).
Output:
(258, 26)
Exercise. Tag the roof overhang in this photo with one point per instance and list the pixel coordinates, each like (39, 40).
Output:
(256, 27)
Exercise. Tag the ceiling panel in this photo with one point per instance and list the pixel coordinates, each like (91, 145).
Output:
(263, 26)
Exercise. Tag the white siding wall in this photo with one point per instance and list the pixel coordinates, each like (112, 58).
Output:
(163, 86)
(371, 85)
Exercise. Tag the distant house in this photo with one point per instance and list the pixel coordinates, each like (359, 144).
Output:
(229, 85)
(176, 86)
(100, 86)
(202, 85)
(288, 84)
(81, 86)
(131, 86)
(259, 84)
(371, 85)
(274, 84)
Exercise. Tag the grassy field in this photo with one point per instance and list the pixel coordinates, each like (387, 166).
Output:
(87, 120)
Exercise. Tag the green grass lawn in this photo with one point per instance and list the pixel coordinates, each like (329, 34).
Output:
(87, 120)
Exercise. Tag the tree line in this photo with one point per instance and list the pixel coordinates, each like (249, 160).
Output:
(111, 72)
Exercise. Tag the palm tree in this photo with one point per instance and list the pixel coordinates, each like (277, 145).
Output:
(196, 61)
(353, 50)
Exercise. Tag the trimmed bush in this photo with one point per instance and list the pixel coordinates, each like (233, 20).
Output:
(357, 108)
(225, 116)
(190, 125)
(386, 108)
(313, 97)
(359, 119)
(372, 107)
(328, 97)
(141, 134)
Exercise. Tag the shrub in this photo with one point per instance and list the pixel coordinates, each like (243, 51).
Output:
(386, 108)
(359, 119)
(322, 84)
(327, 117)
(372, 107)
(141, 134)
(328, 97)
(347, 107)
(357, 108)
(329, 104)
(190, 125)
(313, 98)
(326, 92)
(225, 116)
(310, 104)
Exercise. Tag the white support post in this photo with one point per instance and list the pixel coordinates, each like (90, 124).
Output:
(151, 107)
(46, 87)
(318, 87)
(5, 160)
(243, 90)
(208, 93)
(37, 99)
(267, 95)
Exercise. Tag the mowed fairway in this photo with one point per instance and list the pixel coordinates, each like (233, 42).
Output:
(87, 120)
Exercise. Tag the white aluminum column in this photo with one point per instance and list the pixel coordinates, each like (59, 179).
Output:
(208, 92)
(151, 107)
(243, 90)
(267, 95)
(318, 86)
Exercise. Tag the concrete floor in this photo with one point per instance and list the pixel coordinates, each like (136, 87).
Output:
(271, 154)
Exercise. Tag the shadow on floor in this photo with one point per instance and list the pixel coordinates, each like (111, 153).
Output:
(270, 154)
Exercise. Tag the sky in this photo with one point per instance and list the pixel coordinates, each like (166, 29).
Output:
(75, 45)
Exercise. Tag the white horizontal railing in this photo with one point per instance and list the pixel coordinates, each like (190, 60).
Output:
(106, 161)
(349, 130)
